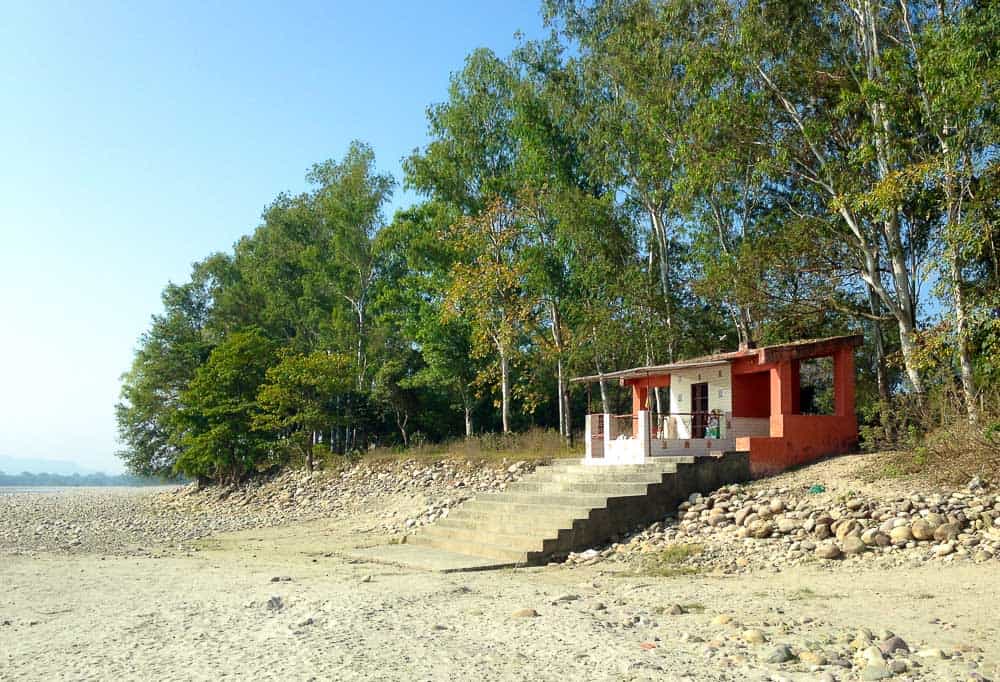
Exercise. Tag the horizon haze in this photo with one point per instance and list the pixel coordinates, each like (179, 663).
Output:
(139, 140)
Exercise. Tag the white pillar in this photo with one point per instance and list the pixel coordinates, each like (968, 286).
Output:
(607, 434)
(643, 435)
(588, 434)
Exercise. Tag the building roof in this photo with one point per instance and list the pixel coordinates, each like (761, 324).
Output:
(795, 350)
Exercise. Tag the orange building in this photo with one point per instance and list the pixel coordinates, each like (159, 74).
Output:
(748, 400)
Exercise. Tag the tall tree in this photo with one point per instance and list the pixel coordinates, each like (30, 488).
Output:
(218, 409)
(299, 398)
(168, 355)
(487, 288)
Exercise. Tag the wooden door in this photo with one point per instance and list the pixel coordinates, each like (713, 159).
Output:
(699, 409)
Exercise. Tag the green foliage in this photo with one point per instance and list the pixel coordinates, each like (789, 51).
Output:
(656, 179)
(98, 480)
(303, 396)
(219, 408)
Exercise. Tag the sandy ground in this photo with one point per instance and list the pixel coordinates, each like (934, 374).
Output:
(212, 614)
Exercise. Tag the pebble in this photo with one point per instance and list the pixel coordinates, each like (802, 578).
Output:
(130, 521)
(525, 613)
(932, 653)
(828, 550)
(879, 671)
(893, 644)
(780, 654)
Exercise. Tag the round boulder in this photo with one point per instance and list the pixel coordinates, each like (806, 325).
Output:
(921, 530)
(827, 550)
(900, 535)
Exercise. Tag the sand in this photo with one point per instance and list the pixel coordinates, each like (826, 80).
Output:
(217, 613)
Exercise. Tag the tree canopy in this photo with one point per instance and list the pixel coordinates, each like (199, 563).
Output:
(655, 179)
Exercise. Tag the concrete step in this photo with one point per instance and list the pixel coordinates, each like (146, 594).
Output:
(519, 542)
(513, 525)
(487, 550)
(685, 458)
(515, 514)
(597, 474)
(607, 488)
(558, 499)
(569, 505)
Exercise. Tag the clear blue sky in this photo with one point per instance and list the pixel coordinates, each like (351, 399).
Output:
(136, 138)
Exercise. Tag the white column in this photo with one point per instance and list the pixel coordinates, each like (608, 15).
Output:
(643, 436)
(607, 435)
(588, 434)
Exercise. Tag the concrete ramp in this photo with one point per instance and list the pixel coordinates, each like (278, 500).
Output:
(424, 558)
(569, 506)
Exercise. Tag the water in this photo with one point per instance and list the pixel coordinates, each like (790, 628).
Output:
(63, 489)
(27, 489)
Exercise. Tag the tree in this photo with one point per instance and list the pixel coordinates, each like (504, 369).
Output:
(487, 288)
(214, 425)
(348, 202)
(178, 342)
(822, 66)
(395, 389)
(299, 398)
(953, 64)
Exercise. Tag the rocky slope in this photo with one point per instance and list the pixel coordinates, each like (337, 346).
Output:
(406, 494)
(821, 513)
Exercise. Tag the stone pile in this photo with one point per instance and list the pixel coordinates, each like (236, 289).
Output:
(739, 528)
(300, 495)
(134, 521)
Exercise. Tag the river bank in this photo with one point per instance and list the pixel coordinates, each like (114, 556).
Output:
(280, 601)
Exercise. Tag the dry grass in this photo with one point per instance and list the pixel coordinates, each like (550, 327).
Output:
(950, 455)
(536, 445)
(671, 562)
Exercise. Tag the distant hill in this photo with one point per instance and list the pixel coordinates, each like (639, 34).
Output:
(17, 465)
(74, 480)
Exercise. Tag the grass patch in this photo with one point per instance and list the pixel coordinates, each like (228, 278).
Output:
(656, 571)
(679, 553)
(688, 608)
(535, 445)
(935, 443)
(803, 594)
(671, 562)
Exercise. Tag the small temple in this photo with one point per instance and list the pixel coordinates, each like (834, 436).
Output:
(749, 400)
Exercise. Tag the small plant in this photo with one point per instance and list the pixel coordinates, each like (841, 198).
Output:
(670, 563)
(679, 553)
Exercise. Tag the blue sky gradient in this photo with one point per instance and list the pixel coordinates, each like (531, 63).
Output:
(137, 138)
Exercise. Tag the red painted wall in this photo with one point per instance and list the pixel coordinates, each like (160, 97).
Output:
(799, 438)
(803, 438)
(752, 395)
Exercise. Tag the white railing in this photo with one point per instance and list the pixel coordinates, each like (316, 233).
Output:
(633, 439)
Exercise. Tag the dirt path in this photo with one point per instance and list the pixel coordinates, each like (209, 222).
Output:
(210, 614)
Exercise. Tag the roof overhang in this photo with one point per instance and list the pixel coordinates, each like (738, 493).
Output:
(755, 357)
(654, 370)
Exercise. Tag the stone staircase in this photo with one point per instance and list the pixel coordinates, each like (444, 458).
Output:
(569, 506)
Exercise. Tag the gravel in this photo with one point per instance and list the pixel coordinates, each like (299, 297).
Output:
(144, 521)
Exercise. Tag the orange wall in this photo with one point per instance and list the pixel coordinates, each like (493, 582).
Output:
(752, 395)
(798, 438)
(803, 438)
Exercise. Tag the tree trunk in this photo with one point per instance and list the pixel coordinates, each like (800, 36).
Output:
(569, 419)
(969, 389)
(560, 395)
(505, 391)
(881, 371)
(468, 421)
(604, 389)
(663, 245)
(401, 422)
